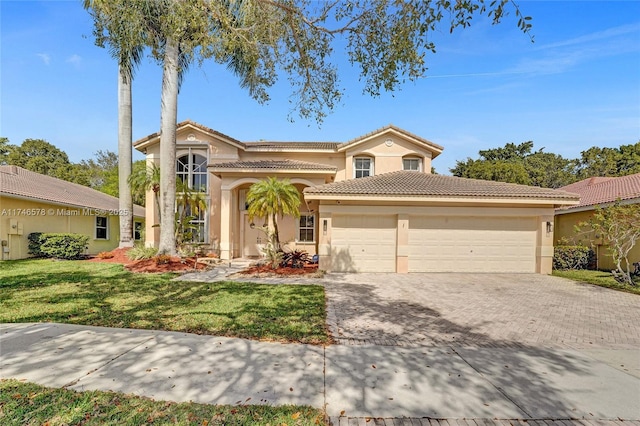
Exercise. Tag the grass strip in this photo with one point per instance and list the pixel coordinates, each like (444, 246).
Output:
(23, 403)
(599, 278)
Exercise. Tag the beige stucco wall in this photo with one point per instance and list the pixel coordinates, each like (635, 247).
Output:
(35, 216)
(565, 228)
(387, 156)
(233, 219)
(226, 222)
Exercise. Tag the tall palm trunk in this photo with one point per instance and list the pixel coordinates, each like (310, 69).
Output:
(125, 137)
(168, 124)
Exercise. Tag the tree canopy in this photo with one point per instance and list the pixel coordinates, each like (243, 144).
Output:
(621, 161)
(40, 156)
(521, 164)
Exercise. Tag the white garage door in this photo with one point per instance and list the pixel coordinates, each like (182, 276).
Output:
(363, 243)
(472, 244)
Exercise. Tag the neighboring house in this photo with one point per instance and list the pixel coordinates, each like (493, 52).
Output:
(31, 202)
(370, 204)
(594, 192)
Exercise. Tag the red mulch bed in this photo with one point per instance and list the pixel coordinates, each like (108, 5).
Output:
(177, 264)
(268, 270)
(174, 264)
(118, 255)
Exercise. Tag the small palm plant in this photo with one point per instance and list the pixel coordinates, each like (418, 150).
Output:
(145, 178)
(271, 198)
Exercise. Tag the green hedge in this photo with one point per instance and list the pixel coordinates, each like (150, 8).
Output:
(34, 244)
(573, 257)
(59, 246)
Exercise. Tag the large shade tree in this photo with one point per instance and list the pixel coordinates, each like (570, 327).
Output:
(519, 164)
(257, 39)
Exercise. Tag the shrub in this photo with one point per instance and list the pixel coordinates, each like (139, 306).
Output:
(573, 257)
(63, 246)
(296, 259)
(139, 251)
(105, 255)
(34, 244)
(162, 259)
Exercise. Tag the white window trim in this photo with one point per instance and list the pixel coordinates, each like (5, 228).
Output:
(204, 221)
(418, 159)
(363, 157)
(313, 229)
(190, 166)
(106, 228)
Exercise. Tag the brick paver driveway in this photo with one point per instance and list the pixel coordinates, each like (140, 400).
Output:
(488, 310)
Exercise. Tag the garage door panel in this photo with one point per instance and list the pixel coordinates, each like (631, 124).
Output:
(363, 243)
(472, 244)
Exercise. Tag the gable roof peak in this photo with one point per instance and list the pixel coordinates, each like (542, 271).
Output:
(434, 148)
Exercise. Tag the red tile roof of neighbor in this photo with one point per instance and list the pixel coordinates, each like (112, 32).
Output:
(602, 190)
(16, 181)
(411, 183)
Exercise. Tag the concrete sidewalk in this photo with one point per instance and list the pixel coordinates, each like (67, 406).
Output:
(349, 381)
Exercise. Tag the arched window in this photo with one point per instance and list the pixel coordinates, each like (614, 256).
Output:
(192, 170)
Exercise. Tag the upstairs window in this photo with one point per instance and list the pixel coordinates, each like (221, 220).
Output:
(414, 164)
(362, 167)
(192, 170)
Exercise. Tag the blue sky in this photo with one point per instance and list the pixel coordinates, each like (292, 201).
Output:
(577, 86)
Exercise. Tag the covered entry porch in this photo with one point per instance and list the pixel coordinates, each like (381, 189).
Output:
(242, 236)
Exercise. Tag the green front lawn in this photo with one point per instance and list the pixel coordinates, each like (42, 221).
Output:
(31, 404)
(603, 279)
(102, 294)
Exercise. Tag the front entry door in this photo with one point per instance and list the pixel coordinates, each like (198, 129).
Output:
(254, 238)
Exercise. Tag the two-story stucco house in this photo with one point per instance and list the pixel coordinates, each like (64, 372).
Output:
(369, 204)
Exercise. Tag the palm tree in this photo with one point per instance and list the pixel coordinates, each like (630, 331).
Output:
(118, 25)
(145, 179)
(272, 198)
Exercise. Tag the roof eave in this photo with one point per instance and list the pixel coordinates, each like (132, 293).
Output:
(441, 199)
(144, 143)
(313, 150)
(242, 170)
(578, 208)
(59, 203)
